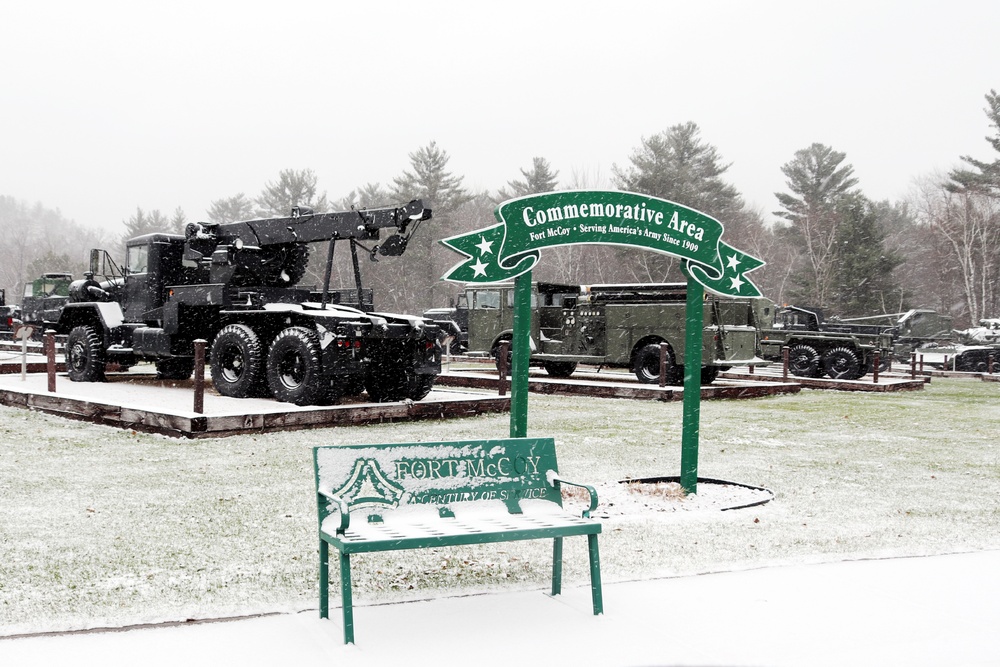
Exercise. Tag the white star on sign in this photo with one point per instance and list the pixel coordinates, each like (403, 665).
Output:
(737, 283)
(479, 269)
(733, 262)
(485, 247)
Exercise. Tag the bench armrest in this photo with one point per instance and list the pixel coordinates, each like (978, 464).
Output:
(345, 514)
(555, 480)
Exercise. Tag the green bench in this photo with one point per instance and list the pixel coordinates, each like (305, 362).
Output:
(435, 494)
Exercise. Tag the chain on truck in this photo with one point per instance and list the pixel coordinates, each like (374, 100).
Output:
(235, 285)
(617, 326)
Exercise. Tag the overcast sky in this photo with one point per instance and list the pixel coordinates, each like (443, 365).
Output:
(106, 106)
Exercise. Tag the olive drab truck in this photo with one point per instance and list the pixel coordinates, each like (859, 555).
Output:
(236, 285)
(817, 347)
(616, 326)
(44, 298)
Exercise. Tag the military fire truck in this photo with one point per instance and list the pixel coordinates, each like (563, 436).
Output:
(615, 325)
(236, 286)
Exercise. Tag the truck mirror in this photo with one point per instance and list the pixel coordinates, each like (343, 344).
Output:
(95, 262)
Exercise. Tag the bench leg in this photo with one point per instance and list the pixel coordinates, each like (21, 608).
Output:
(345, 597)
(595, 575)
(557, 559)
(324, 579)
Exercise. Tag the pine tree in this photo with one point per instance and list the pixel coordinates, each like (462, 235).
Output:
(818, 183)
(293, 188)
(540, 178)
(863, 282)
(231, 209)
(425, 260)
(678, 166)
(983, 177)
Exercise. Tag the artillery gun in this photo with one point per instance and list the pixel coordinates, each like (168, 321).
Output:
(235, 285)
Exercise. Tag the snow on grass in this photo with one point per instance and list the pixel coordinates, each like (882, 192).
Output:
(105, 527)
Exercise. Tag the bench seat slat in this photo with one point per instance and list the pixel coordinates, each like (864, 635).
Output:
(448, 532)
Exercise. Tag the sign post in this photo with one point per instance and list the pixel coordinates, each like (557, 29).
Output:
(521, 355)
(691, 424)
(24, 332)
(526, 225)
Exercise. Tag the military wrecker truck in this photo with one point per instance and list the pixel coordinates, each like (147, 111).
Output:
(617, 326)
(817, 347)
(235, 286)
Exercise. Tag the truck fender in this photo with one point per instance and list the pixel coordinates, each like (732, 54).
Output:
(104, 316)
(508, 335)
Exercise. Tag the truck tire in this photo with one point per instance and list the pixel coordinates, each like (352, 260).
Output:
(385, 385)
(294, 369)
(647, 366)
(178, 368)
(842, 363)
(709, 374)
(803, 361)
(559, 369)
(85, 355)
(237, 361)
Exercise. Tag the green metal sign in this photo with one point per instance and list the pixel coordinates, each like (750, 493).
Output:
(510, 249)
(529, 224)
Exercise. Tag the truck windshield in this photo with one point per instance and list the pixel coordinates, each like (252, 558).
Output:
(487, 299)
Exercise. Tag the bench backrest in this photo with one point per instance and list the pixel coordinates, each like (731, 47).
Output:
(375, 479)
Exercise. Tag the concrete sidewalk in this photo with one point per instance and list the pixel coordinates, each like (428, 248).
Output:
(937, 610)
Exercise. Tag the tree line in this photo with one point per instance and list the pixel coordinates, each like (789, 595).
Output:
(832, 247)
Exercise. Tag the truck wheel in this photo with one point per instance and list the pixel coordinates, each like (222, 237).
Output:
(841, 363)
(294, 370)
(559, 369)
(385, 385)
(85, 355)
(237, 361)
(179, 368)
(647, 366)
(803, 361)
(709, 374)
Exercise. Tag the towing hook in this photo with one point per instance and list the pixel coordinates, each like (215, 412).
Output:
(374, 251)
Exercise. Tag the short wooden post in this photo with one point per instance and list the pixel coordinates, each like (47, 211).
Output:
(663, 364)
(875, 364)
(913, 365)
(921, 364)
(784, 363)
(50, 358)
(989, 364)
(502, 365)
(199, 375)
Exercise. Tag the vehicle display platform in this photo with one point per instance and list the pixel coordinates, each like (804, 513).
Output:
(140, 401)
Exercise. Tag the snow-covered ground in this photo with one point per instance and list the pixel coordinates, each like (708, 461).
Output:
(109, 528)
(933, 611)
